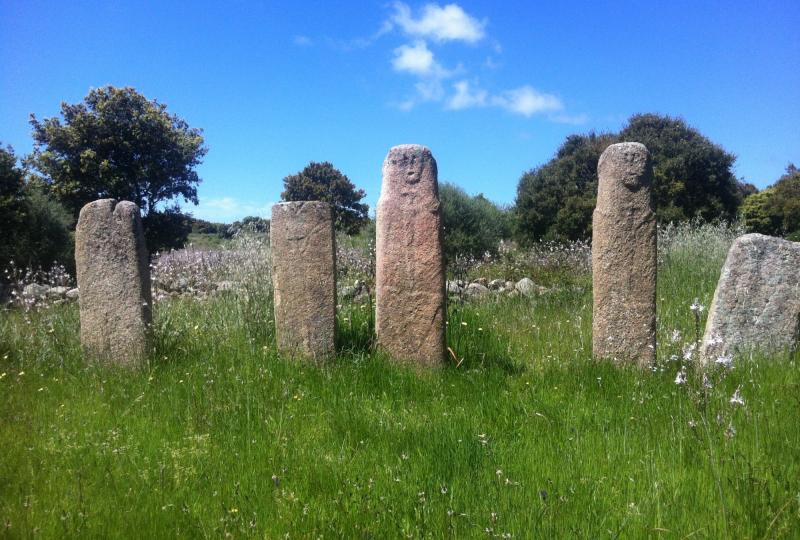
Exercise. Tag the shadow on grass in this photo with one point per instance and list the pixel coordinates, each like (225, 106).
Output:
(472, 342)
(356, 329)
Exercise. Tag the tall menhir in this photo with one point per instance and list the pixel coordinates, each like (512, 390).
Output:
(410, 274)
(114, 282)
(624, 257)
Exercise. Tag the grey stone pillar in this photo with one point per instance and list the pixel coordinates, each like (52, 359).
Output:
(114, 281)
(304, 279)
(410, 274)
(624, 257)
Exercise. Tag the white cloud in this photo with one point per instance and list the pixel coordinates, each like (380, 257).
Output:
(527, 101)
(416, 59)
(448, 23)
(465, 97)
(228, 209)
(574, 119)
(302, 41)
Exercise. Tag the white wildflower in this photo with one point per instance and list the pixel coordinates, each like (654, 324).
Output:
(697, 307)
(688, 351)
(737, 398)
(681, 377)
(724, 360)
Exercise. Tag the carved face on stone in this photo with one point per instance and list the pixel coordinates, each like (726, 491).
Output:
(411, 164)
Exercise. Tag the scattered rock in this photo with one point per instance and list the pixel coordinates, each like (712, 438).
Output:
(35, 290)
(453, 287)
(57, 292)
(72, 294)
(526, 287)
(477, 290)
(497, 284)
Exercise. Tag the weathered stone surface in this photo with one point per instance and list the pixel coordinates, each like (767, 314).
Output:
(526, 287)
(410, 275)
(304, 279)
(476, 290)
(72, 294)
(114, 281)
(624, 257)
(57, 292)
(35, 290)
(497, 284)
(757, 302)
(453, 287)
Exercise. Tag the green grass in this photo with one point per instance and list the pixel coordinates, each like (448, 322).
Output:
(527, 437)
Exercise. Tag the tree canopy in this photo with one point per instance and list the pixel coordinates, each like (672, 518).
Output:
(555, 201)
(323, 182)
(12, 204)
(36, 228)
(775, 210)
(472, 225)
(117, 143)
(692, 178)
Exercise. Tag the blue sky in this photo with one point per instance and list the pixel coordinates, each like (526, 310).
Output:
(493, 88)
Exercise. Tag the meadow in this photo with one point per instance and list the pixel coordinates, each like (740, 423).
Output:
(520, 435)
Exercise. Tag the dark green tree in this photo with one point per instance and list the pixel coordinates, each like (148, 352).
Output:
(692, 178)
(776, 210)
(471, 225)
(47, 237)
(117, 143)
(12, 205)
(323, 182)
(555, 201)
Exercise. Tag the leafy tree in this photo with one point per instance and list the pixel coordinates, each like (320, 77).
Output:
(472, 225)
(167, 229)
(36, 227)
(249, 224)
(47, 238)
(776, 210)
(12, 205)
(757, 213)
(692, 178)
(117, 143)
(786, 202)
(323, 182)
(555, 201)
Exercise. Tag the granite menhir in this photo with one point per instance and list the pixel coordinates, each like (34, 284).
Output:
(624, 257)
(410, 274)
(304, 279)
(113, 273)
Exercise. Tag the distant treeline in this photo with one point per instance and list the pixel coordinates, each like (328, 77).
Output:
(116, 143)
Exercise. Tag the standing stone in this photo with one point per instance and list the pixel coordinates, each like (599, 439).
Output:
(410, 276)
(757, 301)
(624, 257)
(304, 278)
(114, 282)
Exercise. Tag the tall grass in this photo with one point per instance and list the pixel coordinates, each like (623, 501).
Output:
(521, 435)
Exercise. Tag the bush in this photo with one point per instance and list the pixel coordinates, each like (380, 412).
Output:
(166, 230)
(776, 210)
(472, 226)
(46, 238)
